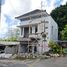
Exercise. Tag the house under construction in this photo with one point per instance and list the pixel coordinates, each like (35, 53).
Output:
(37, 28)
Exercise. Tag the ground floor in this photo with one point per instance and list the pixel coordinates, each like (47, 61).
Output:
(33, 46)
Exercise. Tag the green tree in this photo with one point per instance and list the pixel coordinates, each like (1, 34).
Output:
(64, 33)
(59, 14)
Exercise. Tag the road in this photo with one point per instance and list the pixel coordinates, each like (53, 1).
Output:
(13, 65)
(53, 62)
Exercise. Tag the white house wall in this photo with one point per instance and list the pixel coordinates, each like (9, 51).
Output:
(40, 27)
(55, 29)
(51, 23)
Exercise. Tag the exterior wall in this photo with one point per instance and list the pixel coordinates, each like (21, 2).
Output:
(11, 50)
(40, 27)
(51, 23)
(54, 31)
(22, 49)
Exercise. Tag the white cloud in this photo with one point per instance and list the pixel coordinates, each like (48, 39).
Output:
(15, 7)
(12, 8)
(3, 26)
(18, 7)
(64, 2)
(48, 5)
(35, 4)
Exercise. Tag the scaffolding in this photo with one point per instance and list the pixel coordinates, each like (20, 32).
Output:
(33, 44)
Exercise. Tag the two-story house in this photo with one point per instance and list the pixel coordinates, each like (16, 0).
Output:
(37, 28)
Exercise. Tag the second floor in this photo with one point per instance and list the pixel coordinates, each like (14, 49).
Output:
(34, 29)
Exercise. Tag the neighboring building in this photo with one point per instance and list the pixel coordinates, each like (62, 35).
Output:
(37, 29)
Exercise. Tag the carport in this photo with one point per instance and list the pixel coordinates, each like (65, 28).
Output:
(9, 47)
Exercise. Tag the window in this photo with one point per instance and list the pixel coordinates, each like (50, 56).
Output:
(36, 29)
(52, 30)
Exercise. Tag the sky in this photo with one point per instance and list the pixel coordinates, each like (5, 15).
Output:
(13, 8)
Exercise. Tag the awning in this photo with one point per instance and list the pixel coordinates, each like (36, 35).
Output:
(24, 39)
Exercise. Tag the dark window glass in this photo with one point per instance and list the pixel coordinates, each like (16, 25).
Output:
(36, 29)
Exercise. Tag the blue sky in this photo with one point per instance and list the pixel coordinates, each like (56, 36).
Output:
(2, 2)
(12, 8)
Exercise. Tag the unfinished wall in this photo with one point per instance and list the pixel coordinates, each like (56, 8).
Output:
(11, 49)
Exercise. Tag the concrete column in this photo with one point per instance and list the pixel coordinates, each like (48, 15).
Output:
(33, 49)
(23, 31)
(6, 49)
(19, 49)
(33, 29)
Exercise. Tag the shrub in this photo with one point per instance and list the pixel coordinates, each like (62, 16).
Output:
(55, 47)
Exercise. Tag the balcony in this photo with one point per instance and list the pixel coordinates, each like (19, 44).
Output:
(34, 36)
(21, 38)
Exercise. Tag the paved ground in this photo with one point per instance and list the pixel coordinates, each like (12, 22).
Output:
(13, 65)
(57, 62)
(53, 62)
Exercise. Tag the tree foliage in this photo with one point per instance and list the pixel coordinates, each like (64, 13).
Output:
(59, 14)
(11, 39)
(64, 33)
